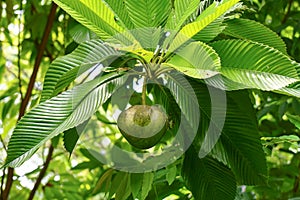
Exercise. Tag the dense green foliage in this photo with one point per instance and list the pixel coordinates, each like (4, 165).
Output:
(229, 85)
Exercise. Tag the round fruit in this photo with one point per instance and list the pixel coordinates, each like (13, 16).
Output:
(143, 126)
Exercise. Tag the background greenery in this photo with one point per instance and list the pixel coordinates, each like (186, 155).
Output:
(22, 34)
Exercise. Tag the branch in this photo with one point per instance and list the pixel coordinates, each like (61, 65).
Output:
(286, 16)
(42, 173)
(27, 96)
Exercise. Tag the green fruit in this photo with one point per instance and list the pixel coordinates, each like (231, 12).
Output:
(143, 126)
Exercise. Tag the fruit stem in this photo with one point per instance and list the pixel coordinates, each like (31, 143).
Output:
(144, 91)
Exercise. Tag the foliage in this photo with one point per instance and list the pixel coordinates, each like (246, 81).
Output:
(231, 95)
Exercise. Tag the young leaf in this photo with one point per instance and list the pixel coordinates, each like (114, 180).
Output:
(210, 14)
(56, 115)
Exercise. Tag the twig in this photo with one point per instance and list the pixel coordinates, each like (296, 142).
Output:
(19, 54)
(42, 173)
(288, 12)
(26, 99)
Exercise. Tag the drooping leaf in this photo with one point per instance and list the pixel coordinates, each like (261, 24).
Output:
(239, 145)
(255, 65)
(197, 60)
(58, 114)
(208, 178)
(242, 144)
(66, 68)
(185, 97)
(252, 30)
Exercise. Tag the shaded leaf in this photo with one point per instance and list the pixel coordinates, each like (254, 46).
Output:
(208, 178)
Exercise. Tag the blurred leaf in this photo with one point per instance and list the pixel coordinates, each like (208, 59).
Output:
(294, 119)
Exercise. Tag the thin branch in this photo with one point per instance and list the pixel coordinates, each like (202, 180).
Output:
(286, 16)
(19, 53)
(3, 175)
(24, 103)
(42, 173)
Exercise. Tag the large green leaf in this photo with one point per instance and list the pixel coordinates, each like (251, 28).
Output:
(66, 68)
(95, 15)
(197, 60)
(214, 11)
(239, 145)
(251, 30)
(58, 114)
(208, 178)
(255, 65)
(241, 142)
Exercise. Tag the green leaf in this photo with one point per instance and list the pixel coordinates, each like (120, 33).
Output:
(93, 14)
(254, 31)
(171, 174)
(208, 178)
(255, 65)
(209, 15)
(104, 181)
(66, 68)
(56, 115)
(183, 9)
(123, 190)
(136, 181)
(210, 31)
(147, 184)
(294, 119)
(121, 13)
(196, 60)
(185, 97)
(239, 145)
(145, 13)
